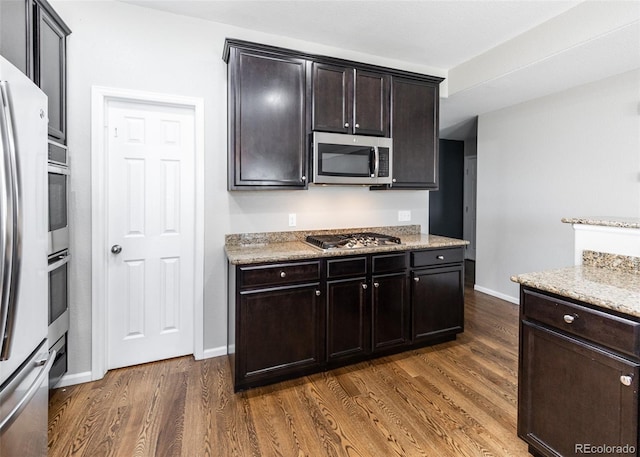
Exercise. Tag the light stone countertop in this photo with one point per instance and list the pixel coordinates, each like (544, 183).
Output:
(621, 222)
(605, 280)
(244, 249)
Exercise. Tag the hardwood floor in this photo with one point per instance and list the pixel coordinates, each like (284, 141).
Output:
(453, 399)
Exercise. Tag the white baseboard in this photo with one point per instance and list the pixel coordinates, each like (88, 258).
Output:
(214, 352)
(79, 378)
(499, 295)
(73, 379)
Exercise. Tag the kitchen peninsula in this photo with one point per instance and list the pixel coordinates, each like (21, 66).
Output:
(296, 309)
(579, 353)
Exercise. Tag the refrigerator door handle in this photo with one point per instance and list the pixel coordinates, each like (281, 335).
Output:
(6, 207)
(16, 231)
(31, 391)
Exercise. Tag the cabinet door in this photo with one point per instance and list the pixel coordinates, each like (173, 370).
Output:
(390, 315)
(571, 395)
(268, 128)
(15, 34)
(437, 302)
(348, 328)
(332, 98)
(51, 71)
(371, 104)
(414, 129)
(278, 333)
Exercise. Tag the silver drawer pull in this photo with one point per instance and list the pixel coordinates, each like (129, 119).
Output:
(416, 279)
(364, 286)
(283, 274)
(626, 380)
(376, 284)
(440, 257)
(568, 318)
(317, 293)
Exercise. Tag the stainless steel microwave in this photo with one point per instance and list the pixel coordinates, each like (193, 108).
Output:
(352, 159)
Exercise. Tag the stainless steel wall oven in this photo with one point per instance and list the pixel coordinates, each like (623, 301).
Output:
(58, 250)
(58, 211)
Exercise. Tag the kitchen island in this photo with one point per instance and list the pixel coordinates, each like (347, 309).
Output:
(579, 357)
(295, 309)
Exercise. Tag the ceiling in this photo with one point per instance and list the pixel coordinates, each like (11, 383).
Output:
(493, 53)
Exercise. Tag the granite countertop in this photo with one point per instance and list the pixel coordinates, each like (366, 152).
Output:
(252, 248)
(621, 222)
(605, 280)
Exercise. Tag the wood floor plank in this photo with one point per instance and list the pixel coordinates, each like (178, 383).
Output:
(454, 399)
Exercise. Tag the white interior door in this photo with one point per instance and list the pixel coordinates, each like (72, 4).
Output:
(469, 220)
(151, 232)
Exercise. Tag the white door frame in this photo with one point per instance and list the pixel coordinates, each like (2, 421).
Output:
(100, 97)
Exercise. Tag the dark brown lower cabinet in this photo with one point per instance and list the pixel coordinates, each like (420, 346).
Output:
(291, 319)
(390, 306)
(437, 302)
(348, 317)
(281, 332)
(575, 397)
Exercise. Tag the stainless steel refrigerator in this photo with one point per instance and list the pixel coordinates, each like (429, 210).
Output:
(24, 356)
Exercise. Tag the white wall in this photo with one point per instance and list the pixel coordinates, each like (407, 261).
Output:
(574, 153)
(119, 45)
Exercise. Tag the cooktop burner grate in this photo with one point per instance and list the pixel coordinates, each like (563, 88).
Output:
(351, 240)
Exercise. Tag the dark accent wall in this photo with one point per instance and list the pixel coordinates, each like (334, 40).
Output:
(446, 204)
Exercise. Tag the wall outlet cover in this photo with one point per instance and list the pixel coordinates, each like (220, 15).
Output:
(404, 216)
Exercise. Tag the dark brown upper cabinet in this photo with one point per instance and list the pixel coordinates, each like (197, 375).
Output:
(414, 129)
(277, 97)
(16, 35)
(350, 100)
(267, 120)
(50, 66)
(33, 38)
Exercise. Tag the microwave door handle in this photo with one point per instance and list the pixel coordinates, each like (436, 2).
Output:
(372, 162)
(376, 162)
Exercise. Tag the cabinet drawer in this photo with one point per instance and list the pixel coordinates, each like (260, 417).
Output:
(434, 257)
(602, 328)
(389, 263)
(340, 268)
(276, 274)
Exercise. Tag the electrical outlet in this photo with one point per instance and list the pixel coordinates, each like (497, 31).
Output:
(404, 216)
(292, 219)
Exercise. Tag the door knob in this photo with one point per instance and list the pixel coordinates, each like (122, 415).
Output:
(116, 249)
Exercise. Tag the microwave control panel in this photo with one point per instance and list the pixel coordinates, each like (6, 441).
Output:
(383, 162)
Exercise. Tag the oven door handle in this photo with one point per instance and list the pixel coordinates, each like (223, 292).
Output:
(58, 170)
(60, 260)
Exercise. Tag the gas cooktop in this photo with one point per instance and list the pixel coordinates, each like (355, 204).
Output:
(351, 240)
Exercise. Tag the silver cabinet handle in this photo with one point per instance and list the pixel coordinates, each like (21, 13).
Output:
(568, 318)
(376, 284)
(357, 126)
(317, 293)
(626, 380)
(440, 257)
(304, 178)
(416, 279)
(116, 249)
(346, 124)
(283, 274)
(364, 286)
